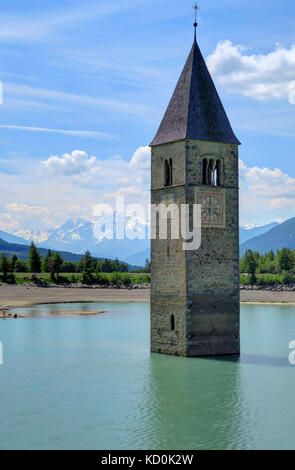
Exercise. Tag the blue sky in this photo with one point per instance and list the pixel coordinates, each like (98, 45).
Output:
(96, 76)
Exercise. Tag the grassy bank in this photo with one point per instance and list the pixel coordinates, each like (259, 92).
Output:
(102, 279)
(268, 279)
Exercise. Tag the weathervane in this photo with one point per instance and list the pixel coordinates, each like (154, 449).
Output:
(196, 8)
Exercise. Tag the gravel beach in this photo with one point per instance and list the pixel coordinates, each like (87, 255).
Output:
(22, 296)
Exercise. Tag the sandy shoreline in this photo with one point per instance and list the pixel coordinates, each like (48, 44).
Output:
(23, 296)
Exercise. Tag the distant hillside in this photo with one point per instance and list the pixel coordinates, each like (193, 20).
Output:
(8, 237)
(282, 236)
(139, 258)
(21, 251)
(247, 234)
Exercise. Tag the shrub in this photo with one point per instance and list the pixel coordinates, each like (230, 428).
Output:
(126, 279)
(21, 266)
(62, 280)
(9, 278)
(286, 278)
(86, 278)
(73, 279)
(141, 279)
(245, 280)
(116, 279)
(268, 279)
(102, 279)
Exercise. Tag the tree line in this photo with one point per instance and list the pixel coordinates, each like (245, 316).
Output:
(279, 267)
(54, 264)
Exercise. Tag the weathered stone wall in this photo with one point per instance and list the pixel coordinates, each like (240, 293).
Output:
(168, 266)
(213, 270)
(201, 288)
(176, 151)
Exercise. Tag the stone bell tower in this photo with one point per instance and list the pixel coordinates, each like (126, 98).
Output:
(195, 299)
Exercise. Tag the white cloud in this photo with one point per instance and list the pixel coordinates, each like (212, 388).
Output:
(131, 194)
(259, 76)
(77, 133)
(73, 163)
(266, 194)
(28, 210)
(110, 173)
(141, 158)
(141, 165)
(23, 216)
(282, 202)
(25, 91)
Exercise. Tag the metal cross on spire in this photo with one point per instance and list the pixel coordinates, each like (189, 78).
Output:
(196, 8)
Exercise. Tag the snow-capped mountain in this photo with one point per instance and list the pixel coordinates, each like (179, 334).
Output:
(35, 235)
(73, 234)
(78, 235)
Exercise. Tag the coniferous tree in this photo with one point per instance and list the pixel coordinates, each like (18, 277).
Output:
(34, 259)
(57, 263)
(250, 264)
(285, 260)
(13, 263)
(45, 262)
(4, 265)
(86, 262)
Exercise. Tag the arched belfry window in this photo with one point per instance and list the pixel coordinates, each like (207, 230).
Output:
(171, 171)
(168, 172)
(172, 323)
(211, 172)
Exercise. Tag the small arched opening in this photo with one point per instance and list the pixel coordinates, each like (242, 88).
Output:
(171, 172)
(166, 173)
(172, 323)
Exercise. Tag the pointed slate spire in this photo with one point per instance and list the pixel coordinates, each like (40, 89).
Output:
(195, 110)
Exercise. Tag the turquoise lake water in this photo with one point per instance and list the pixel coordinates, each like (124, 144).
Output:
(73, 382)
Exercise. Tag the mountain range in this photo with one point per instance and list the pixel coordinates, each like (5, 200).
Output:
(280, 236)
(77, 235)
(247, 234)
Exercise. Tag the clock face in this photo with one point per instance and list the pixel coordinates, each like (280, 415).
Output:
(212, 208)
